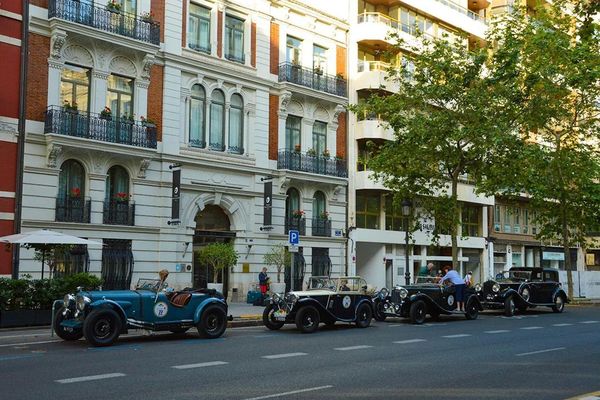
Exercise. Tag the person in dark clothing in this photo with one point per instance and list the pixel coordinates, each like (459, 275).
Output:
(263, 281)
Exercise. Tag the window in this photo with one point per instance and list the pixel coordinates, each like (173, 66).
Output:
(292, 132)
(117, 184)
(507, 220)
(497, 218)
(117, 264)
(69, 262)
(321, 263)
(71, 205)
(118, 207)
(470, 220)
(199, 28)
(318, 206)
(292, 51)
(292, 203)
(525, 221)
(319, 138)
(367, 210)
(234, 39)
(236, 124)
(217, 121)
(517, 220)
(197, 124)
(75, 87)
(319, 59)
(120, 96)
(394, 220)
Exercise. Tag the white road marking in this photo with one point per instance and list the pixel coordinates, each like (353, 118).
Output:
(90, 378)
(410, 341)
(270, 396)
(395, 325)
(498, 331)
(263, 336)
(285, 355)
(353, 348)
(28, 343)
(528, 328)
(200, 365)
(28, 335)
(540, 351)
(589, 322)
(456, 336)
(562, 324)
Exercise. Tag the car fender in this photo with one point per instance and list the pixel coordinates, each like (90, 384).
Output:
(475, 298)
(360, 303)
(104, 303)
(312, 302)
(560, 292)
(428, 301)
(510, 292)
(207, 302)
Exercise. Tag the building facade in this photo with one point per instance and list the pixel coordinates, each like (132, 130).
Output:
(238, 95)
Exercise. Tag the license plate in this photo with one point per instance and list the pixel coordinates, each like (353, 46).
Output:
(280, 315)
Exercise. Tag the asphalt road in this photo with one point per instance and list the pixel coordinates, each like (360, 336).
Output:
(539, 355)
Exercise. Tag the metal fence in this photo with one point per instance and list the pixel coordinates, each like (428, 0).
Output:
(73, 209)
(296, 161)
(313, 79)
(118, 212)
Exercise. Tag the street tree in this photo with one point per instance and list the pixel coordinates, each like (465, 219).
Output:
(219, 256)
(279, 257)
(551, 61)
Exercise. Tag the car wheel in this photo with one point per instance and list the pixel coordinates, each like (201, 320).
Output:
(471, 310)
(307, 319)
(102, 327)
(268, 319)
(364, 314)
(179, 330)
(526, 294)
(213, 322)
(379, 315)
(509, 307)
(62, 332)
(559, 304)
(418, 311)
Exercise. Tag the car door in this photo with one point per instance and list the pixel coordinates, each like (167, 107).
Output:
(344, 304)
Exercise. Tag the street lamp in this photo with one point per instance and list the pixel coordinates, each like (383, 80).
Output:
(406, 206)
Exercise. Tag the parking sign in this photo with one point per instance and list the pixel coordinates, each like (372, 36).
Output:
(294, 237)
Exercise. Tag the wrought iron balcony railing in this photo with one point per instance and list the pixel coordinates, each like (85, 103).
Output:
(295, 223)
(101, 18)
(73, 209)
(97, 127)
(118, 212)
(296, 161)
(314, 79)
(321, 227)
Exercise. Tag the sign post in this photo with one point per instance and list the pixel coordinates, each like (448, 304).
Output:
(294, 240)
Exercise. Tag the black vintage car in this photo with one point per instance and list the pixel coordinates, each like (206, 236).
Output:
(326, 300)
(521, 288)
(422, 298)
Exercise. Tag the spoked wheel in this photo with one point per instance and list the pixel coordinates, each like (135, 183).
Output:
(307, 319)
(418, 312)
(213, 322)
(364, 314)
(102, 327)
(509, 307)
(268, 320)
(62, 332)
(379, 315)
(471, 309)
(559, 304)
(526, 295)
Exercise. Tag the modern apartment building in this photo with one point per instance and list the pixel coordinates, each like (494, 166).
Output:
(238, 95)
(377, 229)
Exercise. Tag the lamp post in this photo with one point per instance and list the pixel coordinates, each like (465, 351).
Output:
(406, 205)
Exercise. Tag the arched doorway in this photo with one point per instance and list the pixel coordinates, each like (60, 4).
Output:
(212, 225)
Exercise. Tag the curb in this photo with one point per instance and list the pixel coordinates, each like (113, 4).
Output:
(244, 323)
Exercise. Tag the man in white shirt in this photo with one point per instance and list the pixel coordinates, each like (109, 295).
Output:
(459, 284)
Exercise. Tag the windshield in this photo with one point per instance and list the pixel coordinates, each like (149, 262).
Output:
(423, 280)
(321, 282)
(148, 284)
(514, 276)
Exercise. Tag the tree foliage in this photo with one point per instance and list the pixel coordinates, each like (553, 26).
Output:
(279, 257)
(219, 256)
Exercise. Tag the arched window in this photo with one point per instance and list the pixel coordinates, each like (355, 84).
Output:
(71, 181)
(117, 184)
(236, 124)
(318, 206)
(292, 203)
(292, 133)
(118, 207)
(197, 107)
(217, 121)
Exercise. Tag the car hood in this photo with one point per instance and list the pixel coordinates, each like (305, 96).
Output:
(310, 293)
(116, 295)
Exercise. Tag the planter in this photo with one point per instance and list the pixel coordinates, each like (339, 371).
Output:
(16, 318)
(217, 286)
(278, 288)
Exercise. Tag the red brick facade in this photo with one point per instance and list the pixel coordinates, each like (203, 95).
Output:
(341, 136)
(158, 8)
(340, 61)
(155, 97)
(37, 76)
(219, 34)
(273, 126)
(39, 3)
(9, 80)
(274, 48)
(253, 45)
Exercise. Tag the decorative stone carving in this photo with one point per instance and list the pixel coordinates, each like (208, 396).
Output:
(78, 55)
(336, 192)
(284, 184)
(218, 198)
(284, 99)
(338, 110)
(148, 62)
(55, 64)
(58, 41)
(142, 83)
(123, 66)
(321, 114)
(144, 164)
(100, 75)
(53, 152)
(185, 94)
(220, 83)
(295, 107)
(200, 78)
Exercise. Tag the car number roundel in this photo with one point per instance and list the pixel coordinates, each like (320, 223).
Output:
(161, 309)
(450, 300)
(346, 301)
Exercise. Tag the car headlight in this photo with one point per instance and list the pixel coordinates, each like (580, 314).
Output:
(403, 293)
(291, 299)
(82, 301)
(68, 300)
(478, 288)
(383, 293)
(496, 288)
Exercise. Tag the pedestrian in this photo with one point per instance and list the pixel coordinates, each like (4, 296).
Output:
(469, 279)
(427, 270)
(263, 281)
(459, 284)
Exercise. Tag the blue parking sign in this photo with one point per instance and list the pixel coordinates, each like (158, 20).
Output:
(294, 237)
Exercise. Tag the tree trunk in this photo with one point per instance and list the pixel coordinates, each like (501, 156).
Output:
(454, 231)
(215, 274)
(566, 249)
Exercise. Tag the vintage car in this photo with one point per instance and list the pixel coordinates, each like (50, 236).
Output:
(101, 316)
(326, 300)
(520, 288)
(422, 298)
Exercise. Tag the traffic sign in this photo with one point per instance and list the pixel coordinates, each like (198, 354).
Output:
(294, 237)
(293, 248)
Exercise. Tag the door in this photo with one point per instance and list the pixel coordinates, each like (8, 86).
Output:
(344, 305)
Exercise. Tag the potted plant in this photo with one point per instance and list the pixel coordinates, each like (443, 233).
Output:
(324, 215)
(218, 256)
(318, 70)
(311, 152)
(70, 107)
(280, 258)
(106, 113)
(122, 197)
(147, 121)
(75, 192)
(113, 6)
(129, 118)
(326, 153)
(147, 16)
(298, 213)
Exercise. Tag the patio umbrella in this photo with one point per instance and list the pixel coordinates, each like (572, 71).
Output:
(43, 240)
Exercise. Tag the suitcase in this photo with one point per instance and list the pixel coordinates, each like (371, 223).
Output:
(252, 296)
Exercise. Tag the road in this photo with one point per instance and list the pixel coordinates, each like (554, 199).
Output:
(539, 355)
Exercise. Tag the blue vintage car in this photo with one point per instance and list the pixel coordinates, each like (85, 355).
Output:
(101, 316)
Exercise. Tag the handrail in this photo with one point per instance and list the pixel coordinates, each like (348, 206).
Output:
(463, 10)
(376, 17)
(365, 65)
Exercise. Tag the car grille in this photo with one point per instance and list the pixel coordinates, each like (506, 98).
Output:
(487, 286)
(395, 296)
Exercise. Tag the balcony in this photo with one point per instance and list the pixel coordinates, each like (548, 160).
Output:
(373, 129)
(297, 224)
(97, 127)
(120, 23)
(321, 227)
(118, 212)
(372, 75)
(73, 209)
(296, 161)
(313, 79)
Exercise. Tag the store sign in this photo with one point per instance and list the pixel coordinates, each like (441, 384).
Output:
(267, 203)
(553, 255)
(427, 224)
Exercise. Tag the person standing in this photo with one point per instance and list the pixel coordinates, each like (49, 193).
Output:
(459, 284)
(469, 279)
(427, 270)
(263, 281)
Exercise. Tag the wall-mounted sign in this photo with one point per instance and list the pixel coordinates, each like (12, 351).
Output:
(553, 255)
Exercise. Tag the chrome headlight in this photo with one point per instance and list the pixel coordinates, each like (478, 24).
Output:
(383, 293)
(291, 299)
(496, 288)
(82, 301)
(403, 293)
(68, 301)
(478, 288)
